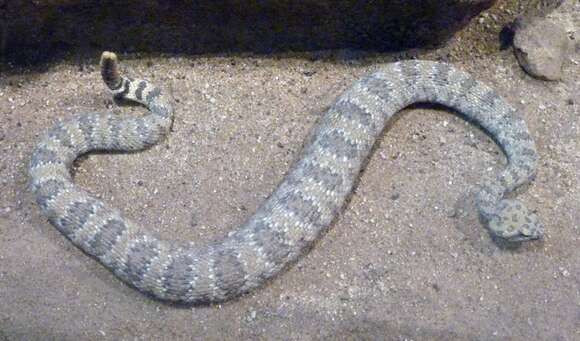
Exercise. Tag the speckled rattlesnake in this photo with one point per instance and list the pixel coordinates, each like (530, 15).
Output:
(302, 206)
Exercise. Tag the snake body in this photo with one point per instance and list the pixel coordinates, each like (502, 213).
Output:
(304, 203)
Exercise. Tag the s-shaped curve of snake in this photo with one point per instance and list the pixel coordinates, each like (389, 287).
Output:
(304, 203)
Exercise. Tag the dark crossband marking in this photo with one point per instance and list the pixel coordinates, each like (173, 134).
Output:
(139, 92)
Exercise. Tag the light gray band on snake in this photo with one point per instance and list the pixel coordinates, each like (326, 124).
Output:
(303, 205)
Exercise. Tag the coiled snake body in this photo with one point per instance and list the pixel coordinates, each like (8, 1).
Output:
(304, 203)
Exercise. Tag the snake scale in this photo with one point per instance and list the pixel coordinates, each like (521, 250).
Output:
(304, 203)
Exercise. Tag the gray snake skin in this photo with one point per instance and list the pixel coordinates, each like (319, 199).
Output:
(304, 203)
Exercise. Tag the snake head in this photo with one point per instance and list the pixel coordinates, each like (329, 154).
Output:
(515, 223)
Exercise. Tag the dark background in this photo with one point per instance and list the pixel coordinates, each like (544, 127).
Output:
(36, 31)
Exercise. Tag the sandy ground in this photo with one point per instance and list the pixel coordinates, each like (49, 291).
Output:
(406, 260)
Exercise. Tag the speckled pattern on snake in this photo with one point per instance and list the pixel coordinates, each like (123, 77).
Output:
(303, 205)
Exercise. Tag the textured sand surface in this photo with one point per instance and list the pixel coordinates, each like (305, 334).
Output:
(407, 259)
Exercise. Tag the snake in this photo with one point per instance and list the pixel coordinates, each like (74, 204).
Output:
(303, 205)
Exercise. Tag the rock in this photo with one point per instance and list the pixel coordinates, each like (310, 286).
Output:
(541, 8)
(33, 30)
(541, 46)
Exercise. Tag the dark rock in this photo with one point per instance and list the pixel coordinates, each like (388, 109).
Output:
(33, 30)
(541, 46)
